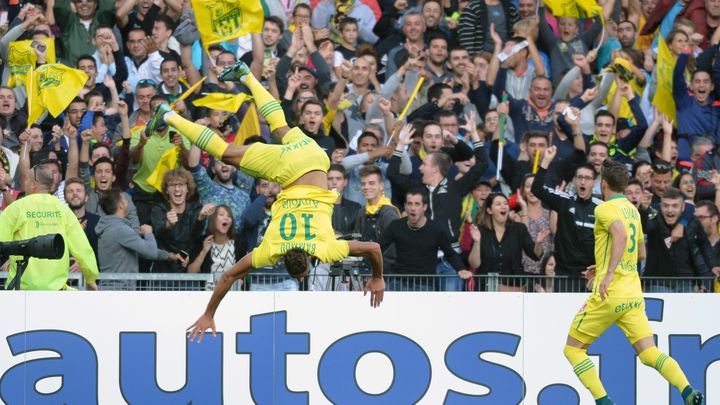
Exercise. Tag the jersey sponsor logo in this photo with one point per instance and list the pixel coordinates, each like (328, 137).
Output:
(294, 146)
(635, 304)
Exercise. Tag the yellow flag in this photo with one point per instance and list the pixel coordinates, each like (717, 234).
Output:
(574, 8)
(250, 125)
(663, 99)
(221, 20)
(222, 101)
(58, 85)
(34, 105)
(22, 57)
(168, 161)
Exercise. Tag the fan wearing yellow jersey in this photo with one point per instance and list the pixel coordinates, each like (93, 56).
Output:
(617, 294)
(300, 226)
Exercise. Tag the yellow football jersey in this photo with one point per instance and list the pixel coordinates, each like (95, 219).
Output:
(301, 218)
(626, 282)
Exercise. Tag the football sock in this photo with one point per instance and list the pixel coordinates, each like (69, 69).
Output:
(666, 366)
(584, 368)
(204, 137)
(268, 107)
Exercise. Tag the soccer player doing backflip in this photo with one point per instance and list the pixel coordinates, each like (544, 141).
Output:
(617, 295)
(300, 226)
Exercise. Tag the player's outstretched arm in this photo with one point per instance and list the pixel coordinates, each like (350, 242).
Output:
(206, 321)
(372, 251)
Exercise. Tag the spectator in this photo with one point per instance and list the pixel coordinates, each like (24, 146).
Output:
(546, 283)
(345, 211)
(379, 211)
(537, 218)
(144, 60)
(499, 241)
(171, 85)
(221, 190)
(104, 180)
(221, 247)
(145, 152)
(480, 18)
(707, 213)
(28, 217)
(574, 239)
(369, 152)
(668, 257)
(178, 220)
(120, 244)
(76, 198)
(413, 29)
(416, 240)
(78, 23)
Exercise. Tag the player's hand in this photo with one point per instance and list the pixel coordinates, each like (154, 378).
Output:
(376, 286)
(197, 330)
(589, 276)
(605, 284)
(464, 274)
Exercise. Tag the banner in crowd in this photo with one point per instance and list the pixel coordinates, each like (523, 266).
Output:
(22, 58)
(221, 20)
(320, 348)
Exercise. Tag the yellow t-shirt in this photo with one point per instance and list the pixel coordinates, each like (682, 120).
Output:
(41, 214)
(626, 282)
(153, 150)
(301, 218)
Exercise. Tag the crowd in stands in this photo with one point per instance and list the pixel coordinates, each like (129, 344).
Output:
(494, 168)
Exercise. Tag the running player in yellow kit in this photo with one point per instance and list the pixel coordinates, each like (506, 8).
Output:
(300, 226)
(617, 294)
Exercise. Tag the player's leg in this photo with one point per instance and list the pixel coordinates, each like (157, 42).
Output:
(202, 136)
(576, 353)
(587, 326)
(636, 327)
(268, 107)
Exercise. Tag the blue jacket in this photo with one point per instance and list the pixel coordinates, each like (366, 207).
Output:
(693, 119)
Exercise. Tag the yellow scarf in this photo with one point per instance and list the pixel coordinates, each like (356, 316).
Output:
(373, 209)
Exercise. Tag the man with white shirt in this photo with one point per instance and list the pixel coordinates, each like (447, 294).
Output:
(144, 60)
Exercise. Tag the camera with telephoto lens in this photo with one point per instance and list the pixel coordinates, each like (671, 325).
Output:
(51, 246)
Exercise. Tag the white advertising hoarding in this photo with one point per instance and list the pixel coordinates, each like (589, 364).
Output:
(322, 348)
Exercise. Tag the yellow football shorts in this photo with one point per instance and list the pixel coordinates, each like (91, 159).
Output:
(597, 315)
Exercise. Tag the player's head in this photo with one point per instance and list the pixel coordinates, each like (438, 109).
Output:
(614, 178)
(296, 263)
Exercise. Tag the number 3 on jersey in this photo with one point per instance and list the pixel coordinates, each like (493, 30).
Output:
(633, 238)
(290, 221)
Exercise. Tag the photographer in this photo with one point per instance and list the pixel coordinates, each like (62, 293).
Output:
(40, 213)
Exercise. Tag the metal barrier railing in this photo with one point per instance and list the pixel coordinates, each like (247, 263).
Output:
(342, 279)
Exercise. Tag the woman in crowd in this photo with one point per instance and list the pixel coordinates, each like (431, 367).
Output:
(537, 218)
(687, 184)
(547, 269)
(498, 242)
(221, 248)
